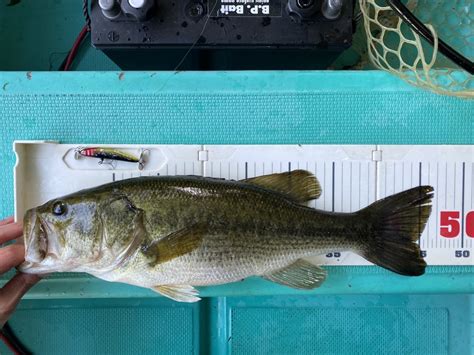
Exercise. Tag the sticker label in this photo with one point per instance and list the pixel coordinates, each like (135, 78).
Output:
(245, 8)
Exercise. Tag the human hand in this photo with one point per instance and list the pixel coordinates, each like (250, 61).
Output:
(11, 256)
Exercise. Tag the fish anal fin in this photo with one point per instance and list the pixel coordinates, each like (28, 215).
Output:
(180, 293)
(300, 185)
(301, 275)
(174, 245)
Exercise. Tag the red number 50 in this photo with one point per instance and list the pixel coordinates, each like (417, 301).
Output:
(450, 226)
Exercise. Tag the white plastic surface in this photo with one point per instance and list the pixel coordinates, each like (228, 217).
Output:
(351, 176)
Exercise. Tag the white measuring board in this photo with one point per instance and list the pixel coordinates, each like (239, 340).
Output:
(351, 176)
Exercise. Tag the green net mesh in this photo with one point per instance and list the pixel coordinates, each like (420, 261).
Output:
(389, 44)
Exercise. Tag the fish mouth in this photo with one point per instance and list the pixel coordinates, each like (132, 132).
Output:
(35, 238)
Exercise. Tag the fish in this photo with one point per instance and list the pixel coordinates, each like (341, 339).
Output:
(172, 234)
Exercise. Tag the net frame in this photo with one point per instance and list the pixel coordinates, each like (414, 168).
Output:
(425, 69)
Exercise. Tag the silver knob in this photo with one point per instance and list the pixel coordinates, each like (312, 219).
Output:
(332, 9)
(110, 8)
(137, 4)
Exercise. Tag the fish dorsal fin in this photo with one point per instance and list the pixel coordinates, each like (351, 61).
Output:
(174, 245)
(180, 293)
(301, 274)
(300, 185)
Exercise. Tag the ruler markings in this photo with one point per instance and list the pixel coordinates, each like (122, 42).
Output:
(437, 203)
(420, 173)
(428, 226)
(451, 242)
(324, 184)
(342, 187)
(472, 196)
(462, 202)
(394, 176)
(445, 200)
(446, 187)
(472, 186)
(419, 209)
(368, 183)
(454, 186)
(350, 188)
(313, 203)
(333, 183)
(403, 176)
(360, 184)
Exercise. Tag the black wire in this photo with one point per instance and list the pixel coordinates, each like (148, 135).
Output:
(85, 11)
(411, 20)
(81, 45)
(14, 341)
(63, 64)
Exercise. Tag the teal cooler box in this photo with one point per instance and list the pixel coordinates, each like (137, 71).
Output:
(359, 309)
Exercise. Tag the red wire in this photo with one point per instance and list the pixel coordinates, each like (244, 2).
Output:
(75, 47)
(9, 344)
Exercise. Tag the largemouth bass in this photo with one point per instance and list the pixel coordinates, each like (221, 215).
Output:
(170, 234)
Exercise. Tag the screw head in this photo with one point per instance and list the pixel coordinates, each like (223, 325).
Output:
(304, 4)
(113, 36)
(196, 10)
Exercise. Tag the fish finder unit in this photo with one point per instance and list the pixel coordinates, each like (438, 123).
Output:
(222, 34)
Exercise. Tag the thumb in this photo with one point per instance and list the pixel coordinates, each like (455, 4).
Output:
(12, 292)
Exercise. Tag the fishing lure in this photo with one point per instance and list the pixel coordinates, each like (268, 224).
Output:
(110, 155)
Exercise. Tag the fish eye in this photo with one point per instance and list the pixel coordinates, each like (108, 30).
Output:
(59, 208)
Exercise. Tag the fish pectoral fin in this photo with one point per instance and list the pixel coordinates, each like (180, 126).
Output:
(174, 245)
(301, 274)
(299, 185)
(180, 293)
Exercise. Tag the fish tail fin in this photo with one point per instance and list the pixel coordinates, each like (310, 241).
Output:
(395, 225)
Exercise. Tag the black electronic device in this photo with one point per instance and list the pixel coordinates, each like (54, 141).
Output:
(222, 34)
